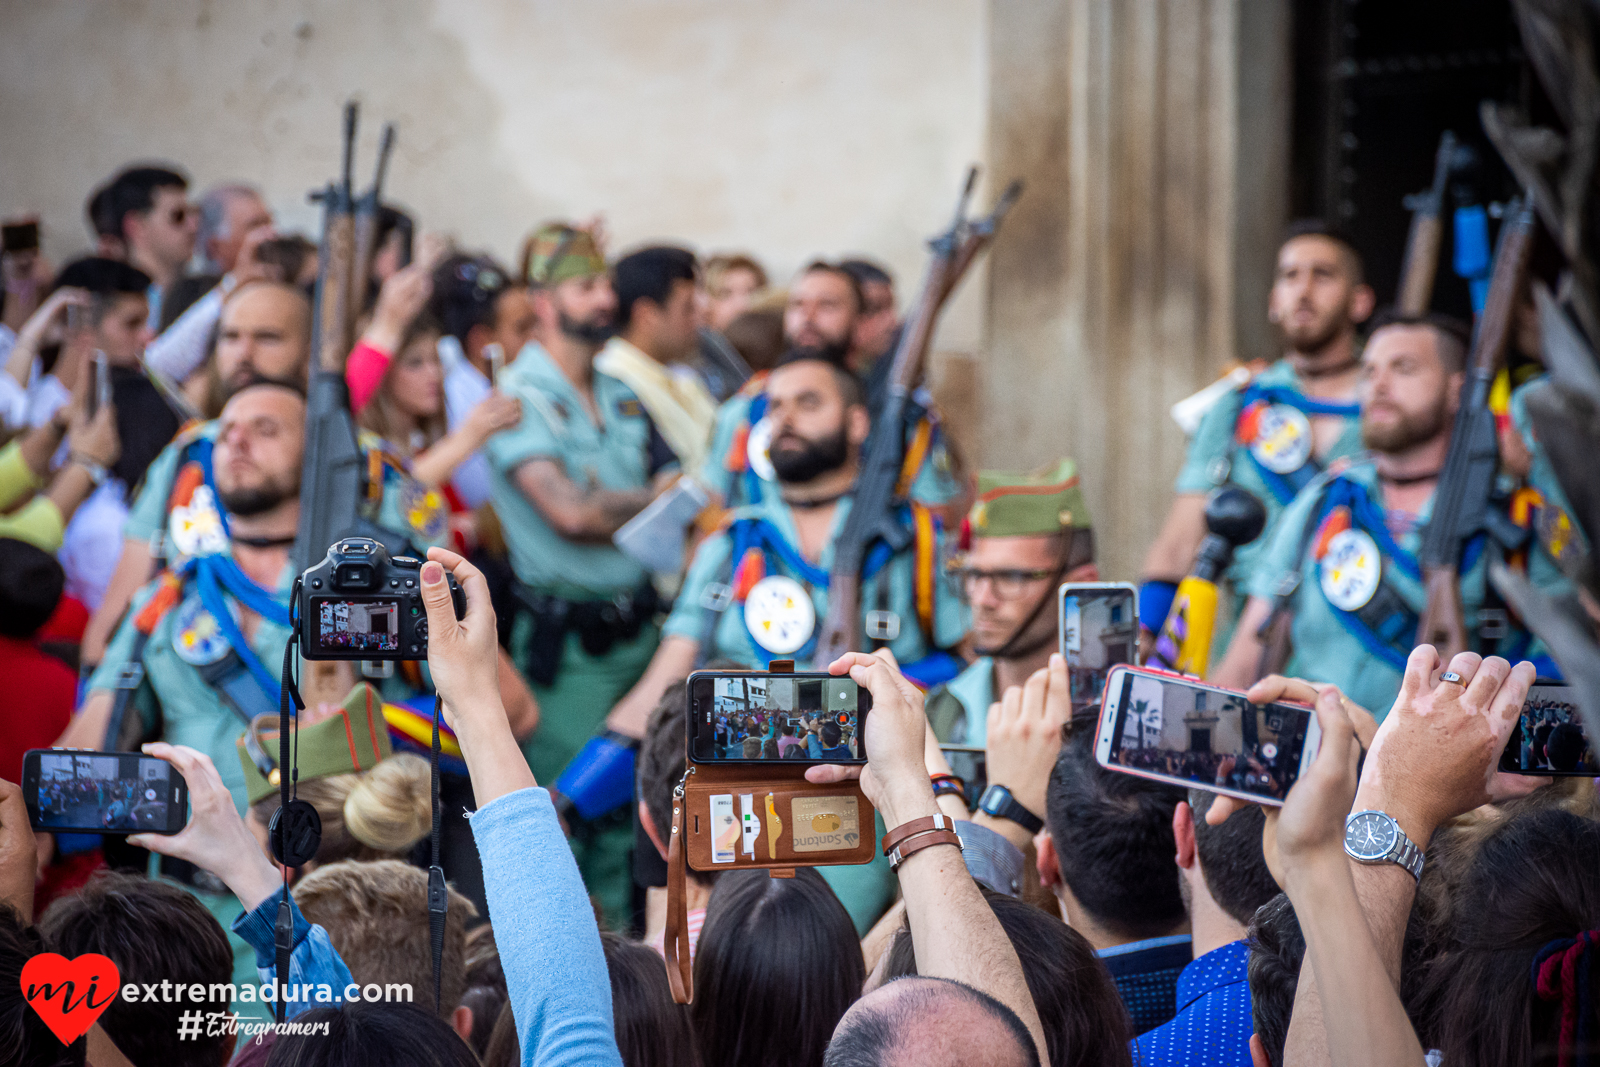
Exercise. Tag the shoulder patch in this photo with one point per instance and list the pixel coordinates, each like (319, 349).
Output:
(630, 408)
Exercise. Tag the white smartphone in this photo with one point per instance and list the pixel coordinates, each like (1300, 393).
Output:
(1099, 628)
(497, 362)
(1177, 729)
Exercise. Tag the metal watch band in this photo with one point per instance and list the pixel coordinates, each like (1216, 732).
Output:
(1406, 854)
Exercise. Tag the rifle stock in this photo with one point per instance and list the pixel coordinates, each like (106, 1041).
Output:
(1461, 504)
(1421, 263)
(872, 512)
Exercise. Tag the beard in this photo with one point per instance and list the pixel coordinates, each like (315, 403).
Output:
(587, 331)
(800, 465)
(1316, 335)
(250, 500)
(1406, 432)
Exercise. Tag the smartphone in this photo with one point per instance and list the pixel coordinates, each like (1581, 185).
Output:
(19, 237)
(70, 791)
(1099, 629)
(1177, 729)
(756, 717)
(497, 361)
(1550, 740)
(100, 393)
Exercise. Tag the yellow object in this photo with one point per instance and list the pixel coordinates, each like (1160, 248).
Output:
(774, 829)
(1184, 644)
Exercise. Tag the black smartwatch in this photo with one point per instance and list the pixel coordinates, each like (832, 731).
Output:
(998, 801)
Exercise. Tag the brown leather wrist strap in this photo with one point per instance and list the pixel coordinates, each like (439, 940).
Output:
(927, 840)
(675, 943)
(916, 826)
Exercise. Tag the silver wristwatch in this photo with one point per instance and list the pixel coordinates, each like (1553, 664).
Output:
(1374, 837)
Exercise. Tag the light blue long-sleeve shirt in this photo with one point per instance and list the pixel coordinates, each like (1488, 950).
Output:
(545, 930)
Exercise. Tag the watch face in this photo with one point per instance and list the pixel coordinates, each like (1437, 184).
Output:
(1369, 835)
(994, 800)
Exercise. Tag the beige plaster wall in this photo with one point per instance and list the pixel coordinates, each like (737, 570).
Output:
(786, 127)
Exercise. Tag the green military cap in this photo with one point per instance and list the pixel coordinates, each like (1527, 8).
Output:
(557, 252)
(353, 740)
(1012, 504)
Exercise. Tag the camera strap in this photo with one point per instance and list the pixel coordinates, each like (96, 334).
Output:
(296, 829)
(438, 892)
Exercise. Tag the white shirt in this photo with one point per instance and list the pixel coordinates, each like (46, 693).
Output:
(182, 349)
(465, 386)
(92, 543)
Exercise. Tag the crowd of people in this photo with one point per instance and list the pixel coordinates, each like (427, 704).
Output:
(526, 430)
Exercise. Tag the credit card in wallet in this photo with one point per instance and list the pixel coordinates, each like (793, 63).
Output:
(724, 828)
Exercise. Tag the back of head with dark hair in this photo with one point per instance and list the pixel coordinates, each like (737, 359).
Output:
(1276, 950)
(1532, 886)
(905, 1021)
(866, 272)
(24, 1038)
(103, 277)
(1315, 227)
(465, 288)
(395, 1035)
(649, 274)
(652, 1029)
(757, 335)
(1231, 859)
(134, 190)
(1083, 1016)
(31, 582)
(776, 966)
(1113, 838)
(152, 931)
(1565, 747)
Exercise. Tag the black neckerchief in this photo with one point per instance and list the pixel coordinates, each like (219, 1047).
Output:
(263, 542)
(809, 505)
(1410, 479)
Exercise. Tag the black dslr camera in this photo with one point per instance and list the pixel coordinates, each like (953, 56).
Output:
(359, 603)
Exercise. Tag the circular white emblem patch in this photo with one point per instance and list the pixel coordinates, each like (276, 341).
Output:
(1351, 570)
(1283, 439)
(780, 615)
(758, 450)
(196, 637)
(196, 528)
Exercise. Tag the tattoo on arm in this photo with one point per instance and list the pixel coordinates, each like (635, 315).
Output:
(577, 512)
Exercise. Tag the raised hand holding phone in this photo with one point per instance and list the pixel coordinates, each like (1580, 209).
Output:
(1023, 739)
(215, 838)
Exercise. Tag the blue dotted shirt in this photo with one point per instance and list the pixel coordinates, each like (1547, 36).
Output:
(1213, 1024)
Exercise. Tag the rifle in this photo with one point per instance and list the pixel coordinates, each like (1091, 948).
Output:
(1421, 261)
(1462, 507)
(873, 514)
(333, 469)
(366, 225)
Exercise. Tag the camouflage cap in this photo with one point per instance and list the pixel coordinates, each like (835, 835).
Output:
(353, 740)
(1012, 504)
(557, 252)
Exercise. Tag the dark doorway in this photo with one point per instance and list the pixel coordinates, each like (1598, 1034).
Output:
(1199, 740)
(1375, 84)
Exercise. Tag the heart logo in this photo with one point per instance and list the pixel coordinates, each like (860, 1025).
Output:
(70, 995)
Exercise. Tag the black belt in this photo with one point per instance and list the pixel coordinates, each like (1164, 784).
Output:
(600, 624)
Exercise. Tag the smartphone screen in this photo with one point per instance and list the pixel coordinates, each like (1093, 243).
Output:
(756, 718)
(1550, 740)
(19, 237)
(1099, 629)
(1203, 737)
(103, 792)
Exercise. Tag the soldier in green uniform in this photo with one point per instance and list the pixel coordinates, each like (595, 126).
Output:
(1343, 559)
(578, 466)
(200, 653)
(1027, 534)
(757, 590)
(1273, 431)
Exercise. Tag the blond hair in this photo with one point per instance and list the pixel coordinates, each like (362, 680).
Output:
(376, 915)
(379, 814)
